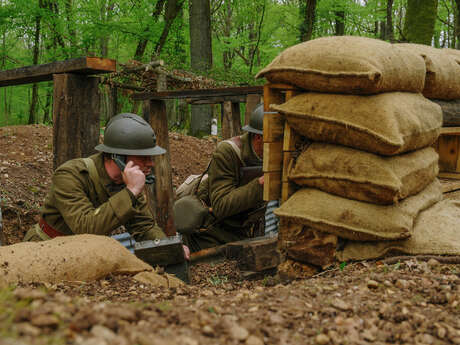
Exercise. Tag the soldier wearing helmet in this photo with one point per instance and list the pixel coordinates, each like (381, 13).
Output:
(96, 195)
(237, 206)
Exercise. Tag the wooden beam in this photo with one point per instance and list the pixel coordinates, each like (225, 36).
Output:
(199, 93)
(37, 73)
(75, 116)
(450, 185)
(216, 100)
(231, 120)
(273, 126)
(252, 100)
(272, 185)
(155, 114)
(448, 147)
(290, 138)
(450, 130)
(449, 175)
(273, 156)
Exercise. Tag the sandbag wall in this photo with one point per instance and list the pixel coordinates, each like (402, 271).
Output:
(369, 169)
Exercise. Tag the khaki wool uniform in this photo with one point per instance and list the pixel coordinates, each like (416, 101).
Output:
(232, 203)
(73, 205)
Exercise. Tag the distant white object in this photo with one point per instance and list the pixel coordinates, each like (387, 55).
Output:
(214, 127)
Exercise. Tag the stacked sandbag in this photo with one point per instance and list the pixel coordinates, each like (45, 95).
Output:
(442, 80)
(369, 170)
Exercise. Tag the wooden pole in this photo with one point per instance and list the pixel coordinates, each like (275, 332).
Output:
(155, 114)
(76, 111)
(231, 124)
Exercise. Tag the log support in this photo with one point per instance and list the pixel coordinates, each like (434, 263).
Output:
(75, 116)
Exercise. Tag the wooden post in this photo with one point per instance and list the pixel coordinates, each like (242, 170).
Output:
(251, 102)
(76, 112)
(231, 120)
(155, 114)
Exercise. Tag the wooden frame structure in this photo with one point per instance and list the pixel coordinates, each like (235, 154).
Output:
(75, 101)
(154, 112)
(280, 145)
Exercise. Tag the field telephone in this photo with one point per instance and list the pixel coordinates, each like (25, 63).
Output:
(120, 161)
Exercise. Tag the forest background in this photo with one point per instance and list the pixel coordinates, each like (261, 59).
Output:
(227, 41)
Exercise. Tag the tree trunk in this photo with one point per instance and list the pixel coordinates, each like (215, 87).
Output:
(201, 60)
(36, 51)
(420, 21)
(140, 49)
(339, 23)
(47, 109)
(457, 23)
(308, 14)
(173, 7)
(389, 31)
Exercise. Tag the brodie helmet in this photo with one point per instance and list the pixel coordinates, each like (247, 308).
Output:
(130, 134)
(256, 121)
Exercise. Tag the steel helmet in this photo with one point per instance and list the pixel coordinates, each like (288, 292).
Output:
(256, 121)
(130, 134)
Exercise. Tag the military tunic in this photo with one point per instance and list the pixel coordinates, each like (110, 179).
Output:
(231, 202)
(73, 205)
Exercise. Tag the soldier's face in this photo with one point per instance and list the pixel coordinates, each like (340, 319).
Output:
(145, 163)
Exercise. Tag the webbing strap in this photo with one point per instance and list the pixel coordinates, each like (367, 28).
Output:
(94, 176)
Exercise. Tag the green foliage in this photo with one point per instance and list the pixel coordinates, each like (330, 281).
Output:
(246, 36)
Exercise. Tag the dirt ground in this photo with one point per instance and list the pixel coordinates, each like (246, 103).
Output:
(408, 302)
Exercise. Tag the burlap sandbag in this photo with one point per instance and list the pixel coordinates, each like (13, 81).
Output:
(436, 231)
(387, 124)
(442, 79)
(74, 258)
(364, 176)
(453, 52)
(301, 243)
(347, 64)
(357, 220)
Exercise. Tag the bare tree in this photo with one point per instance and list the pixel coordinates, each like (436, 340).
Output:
(308, 14)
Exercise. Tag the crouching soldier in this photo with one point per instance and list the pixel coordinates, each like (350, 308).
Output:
(233, 189)
(96, 195)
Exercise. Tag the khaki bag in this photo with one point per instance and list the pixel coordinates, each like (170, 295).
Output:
(347, 64)
(190, 211)
(357, 220)
(359, 175)
(386, 124)
(442, 71)
(74, 258)
(436, 231)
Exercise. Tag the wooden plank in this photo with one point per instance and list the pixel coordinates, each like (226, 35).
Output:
(288, 156)
(287, 189)
(231, 120)
(252, 101)
(272, 96)
(198, 93)
(75, 117)
(450, 185)
(292, 93)
(216, 100)
(448, 150)
(273, 156)
(273, 127)
(272, 185)
(281, 86)
(290, 138)
(254, 254)
(449, 175)
(155, 114)
(38, 73)
(450, 130)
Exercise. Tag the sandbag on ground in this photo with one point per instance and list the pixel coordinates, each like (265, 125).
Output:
(442, 71)
(364, 176)
(436, 231)
(74, 258)
(387, 124)
(347, 64)
(357, 220)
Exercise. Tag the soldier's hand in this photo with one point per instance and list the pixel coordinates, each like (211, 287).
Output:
(261, 180)
(186, 252)
(134, 178)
